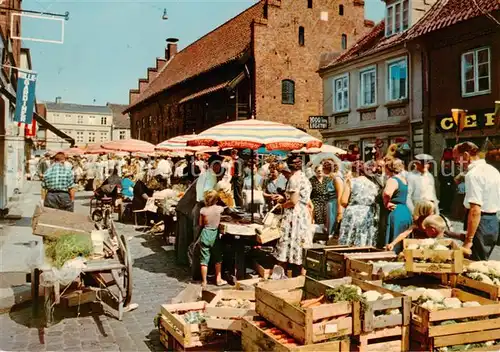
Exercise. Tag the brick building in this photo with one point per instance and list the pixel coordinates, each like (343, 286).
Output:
(262, 62)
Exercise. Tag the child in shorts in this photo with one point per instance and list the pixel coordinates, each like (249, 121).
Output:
(209, 238)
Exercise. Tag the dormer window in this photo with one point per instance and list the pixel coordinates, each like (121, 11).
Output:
(396, 18)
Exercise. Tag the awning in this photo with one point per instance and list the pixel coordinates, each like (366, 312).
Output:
(39, 119)
(205, 91)
(44, 123)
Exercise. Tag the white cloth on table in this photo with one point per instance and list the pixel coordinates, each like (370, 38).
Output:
(482, 186)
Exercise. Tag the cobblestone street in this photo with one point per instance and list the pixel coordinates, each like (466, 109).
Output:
(156, 280)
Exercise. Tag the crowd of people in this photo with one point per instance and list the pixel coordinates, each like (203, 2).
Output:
(374, 203)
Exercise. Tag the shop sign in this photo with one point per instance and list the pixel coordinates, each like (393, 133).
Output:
(318, 122)
(25, 99)
(473, 120)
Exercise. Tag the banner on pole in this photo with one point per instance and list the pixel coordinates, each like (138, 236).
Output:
(25, 98)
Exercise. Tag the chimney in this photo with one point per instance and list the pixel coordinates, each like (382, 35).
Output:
(171, 49)
(58, 100)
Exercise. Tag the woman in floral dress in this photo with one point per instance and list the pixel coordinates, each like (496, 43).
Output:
(296, 224)
(360, 222)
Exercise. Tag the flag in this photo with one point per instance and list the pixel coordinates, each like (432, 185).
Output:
(25, 97)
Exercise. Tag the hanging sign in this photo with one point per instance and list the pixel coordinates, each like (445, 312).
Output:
(25, 98)
(318, 122)
(472, 120)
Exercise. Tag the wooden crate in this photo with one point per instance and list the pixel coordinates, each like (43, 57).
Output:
(225, 318)
(336, 258)
(454, 258)
(278, 302)
(171, 344)
(255, 338)
(368, 320)
(393, 339)
(483, 323)
(248, 284)
(187, 335)
(315, 259)
(363, 268)
(478, 287)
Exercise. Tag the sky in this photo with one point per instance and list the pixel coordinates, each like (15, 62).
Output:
(109, 44)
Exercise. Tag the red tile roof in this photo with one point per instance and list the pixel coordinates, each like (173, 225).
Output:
(372, 42)
(222, 45)
(446, 13)
(443, 14)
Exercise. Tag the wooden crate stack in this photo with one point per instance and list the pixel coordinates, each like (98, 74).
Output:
(471, 324)
(336, 259)
(373, 330)
(449, 261)
(315, 259)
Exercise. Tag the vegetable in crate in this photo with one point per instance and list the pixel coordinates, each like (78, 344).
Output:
(67, 247)
(342, 293)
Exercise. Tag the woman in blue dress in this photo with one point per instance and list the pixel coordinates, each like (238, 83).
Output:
(395, 194)
(335, 188)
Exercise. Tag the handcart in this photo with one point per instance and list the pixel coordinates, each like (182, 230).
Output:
(107, 281)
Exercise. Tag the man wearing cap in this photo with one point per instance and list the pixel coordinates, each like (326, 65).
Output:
(59, 185)
(421, 185)
(482, 200)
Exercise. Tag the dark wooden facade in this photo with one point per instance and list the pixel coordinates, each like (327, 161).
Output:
(443, 87)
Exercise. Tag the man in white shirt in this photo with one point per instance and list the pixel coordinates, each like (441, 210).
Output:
(482, 200)
(421, 185)
(164, 169)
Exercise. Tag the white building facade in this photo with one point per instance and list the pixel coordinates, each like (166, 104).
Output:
(121, 122)
(87, 124)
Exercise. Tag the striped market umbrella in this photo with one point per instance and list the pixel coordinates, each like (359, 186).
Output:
(176, 144)
(179, 145)
(253, 134)
(129, 145)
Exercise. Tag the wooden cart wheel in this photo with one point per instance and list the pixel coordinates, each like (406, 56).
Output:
(127, 272)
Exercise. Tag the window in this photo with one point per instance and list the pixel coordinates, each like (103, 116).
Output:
(309, 4)
(341, 10)
(104, 120)
(79, 119)
(302, 39)
(397, 71)
(287, 92)
(396, 17)
(79, 137)
(368, 86)
(91, 120)
(476, 76)
(344, 41)
(104, 136)
(91, 138)
(341, 89)
(122, 134)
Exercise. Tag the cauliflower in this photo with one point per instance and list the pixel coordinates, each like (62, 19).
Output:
(434, 295)
(371, 296)
(480, 277)
(392, 312)
(386, 296)
(480, 266)
(452, 302)
(494, 267)
(440, 247)
(430, 305)
(471, 304)
(489, 343)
